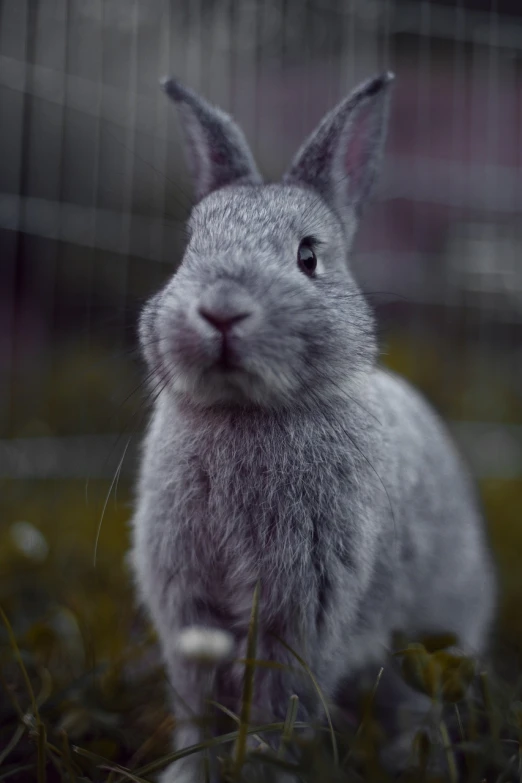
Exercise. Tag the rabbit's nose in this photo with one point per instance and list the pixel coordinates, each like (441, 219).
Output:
(223, 322)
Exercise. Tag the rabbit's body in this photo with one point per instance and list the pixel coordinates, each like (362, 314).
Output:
(279, 452)
(354, 518)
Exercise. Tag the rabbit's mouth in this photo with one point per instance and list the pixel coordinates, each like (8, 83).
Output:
(228, 360)
(227, 364)
(211, 364)
(219, 369)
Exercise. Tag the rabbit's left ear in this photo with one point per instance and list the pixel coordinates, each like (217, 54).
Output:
(217, 151)
(341, 158)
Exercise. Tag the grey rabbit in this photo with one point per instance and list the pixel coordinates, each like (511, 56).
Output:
(279, 451)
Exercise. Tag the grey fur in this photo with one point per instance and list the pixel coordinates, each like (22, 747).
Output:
(217, 150)
(309, 467)
(342, 157)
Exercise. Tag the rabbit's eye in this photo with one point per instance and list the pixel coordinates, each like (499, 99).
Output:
(306, 257)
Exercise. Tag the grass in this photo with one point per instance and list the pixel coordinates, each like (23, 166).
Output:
(84, 700)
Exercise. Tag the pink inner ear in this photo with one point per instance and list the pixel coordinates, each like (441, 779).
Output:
(358, 148)
(218, 157)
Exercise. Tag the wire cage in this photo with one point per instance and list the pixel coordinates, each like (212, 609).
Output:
(94, 193)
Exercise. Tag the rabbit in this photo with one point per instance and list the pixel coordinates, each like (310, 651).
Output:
(279, 453)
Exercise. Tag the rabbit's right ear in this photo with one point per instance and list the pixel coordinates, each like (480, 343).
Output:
(218, 153)
(340, 160)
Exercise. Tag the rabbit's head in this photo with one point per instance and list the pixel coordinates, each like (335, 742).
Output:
(263, 309)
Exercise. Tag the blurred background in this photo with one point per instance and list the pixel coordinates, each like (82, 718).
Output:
(93, 196)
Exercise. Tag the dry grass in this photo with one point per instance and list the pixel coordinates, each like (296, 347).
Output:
(83, 697)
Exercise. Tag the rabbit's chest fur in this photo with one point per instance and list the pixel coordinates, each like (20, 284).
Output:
(357, 521)
(229, 498)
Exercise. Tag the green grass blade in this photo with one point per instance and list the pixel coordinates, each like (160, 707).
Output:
(231, 715)
(248, 688)
(459, 723)
(66, 755)
(100, 761)
(223, 739)
(450, 756)
(13, 742)
(16, 651)
(288, 728)
(16, 771)
(307, 669)
(12, 698)
(489, 706)
(225, 710)
(366, 715)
